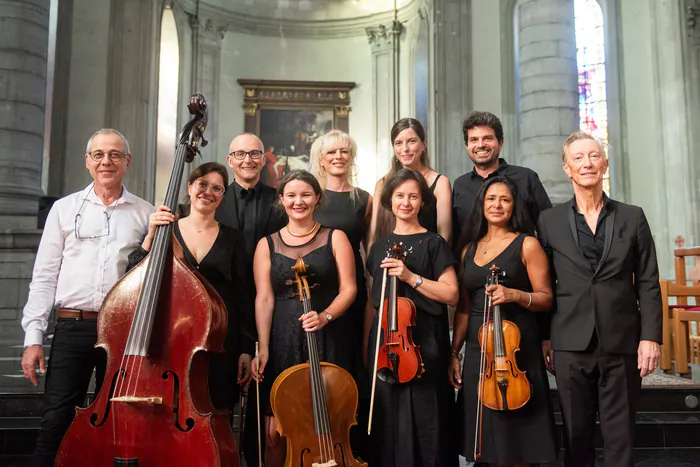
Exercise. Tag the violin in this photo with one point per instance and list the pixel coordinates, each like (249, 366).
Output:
(157, 326)
(502, 385)
(397, 358)
(319, 437)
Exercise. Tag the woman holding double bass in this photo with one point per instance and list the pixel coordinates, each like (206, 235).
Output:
(281, 318)
(499, 232)
(411, 421)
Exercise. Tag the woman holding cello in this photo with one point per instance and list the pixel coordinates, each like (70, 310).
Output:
(499, 232)
(411, 420)
(279, 314)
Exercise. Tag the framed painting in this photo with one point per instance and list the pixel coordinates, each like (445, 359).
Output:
(289, 116)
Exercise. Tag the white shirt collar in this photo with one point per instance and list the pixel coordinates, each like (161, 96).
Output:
(91, 196)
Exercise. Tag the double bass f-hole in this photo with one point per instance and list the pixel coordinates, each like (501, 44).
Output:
(502, 385)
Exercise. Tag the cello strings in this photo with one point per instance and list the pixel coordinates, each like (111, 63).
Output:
(311, 343)
(325, 440)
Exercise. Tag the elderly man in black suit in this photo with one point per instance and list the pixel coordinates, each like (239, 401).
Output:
(606, 324)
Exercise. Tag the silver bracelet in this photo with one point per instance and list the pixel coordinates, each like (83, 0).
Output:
(529, 301)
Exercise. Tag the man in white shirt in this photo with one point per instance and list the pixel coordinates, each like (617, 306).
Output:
(83, 252)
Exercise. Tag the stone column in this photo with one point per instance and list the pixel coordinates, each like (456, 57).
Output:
(24, 32)
(453, 85)
(208, 37)
(384, 41)
(24, 35)
(548, 89)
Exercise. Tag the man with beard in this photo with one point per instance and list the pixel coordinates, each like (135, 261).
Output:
(483, 138)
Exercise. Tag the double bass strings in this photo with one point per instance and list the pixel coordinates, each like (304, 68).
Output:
(136, 346)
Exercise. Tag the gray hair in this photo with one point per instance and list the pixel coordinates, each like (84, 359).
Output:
(108, 131)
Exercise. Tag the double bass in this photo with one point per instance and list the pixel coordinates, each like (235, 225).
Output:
(156, 326)
(396, 358)
(315, 403)
(502, 385)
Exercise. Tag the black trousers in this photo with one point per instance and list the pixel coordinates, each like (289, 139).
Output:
(595, 381)
(71, 362)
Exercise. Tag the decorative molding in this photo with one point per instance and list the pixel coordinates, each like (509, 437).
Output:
(692, 18)
(250, 109)
(260, 95)
(311, 29)
(382, 38)
(207, 29)
(342, 110)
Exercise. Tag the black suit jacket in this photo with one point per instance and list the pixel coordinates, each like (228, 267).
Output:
(621, 300)
(269, 217)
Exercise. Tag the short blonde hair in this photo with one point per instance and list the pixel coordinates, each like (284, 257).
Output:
(581, 135)
(332, 140)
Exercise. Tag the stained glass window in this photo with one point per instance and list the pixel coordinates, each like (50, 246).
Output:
(590, 57)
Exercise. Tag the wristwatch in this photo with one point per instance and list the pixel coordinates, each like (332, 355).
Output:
(329, 317)
(419, 281)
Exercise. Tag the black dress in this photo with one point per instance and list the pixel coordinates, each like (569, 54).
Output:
(427, 217)
(525, 435)
(288, 345)
(412, 422)
(225, 266)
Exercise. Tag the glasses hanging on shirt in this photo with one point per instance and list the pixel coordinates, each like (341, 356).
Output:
(78, 217)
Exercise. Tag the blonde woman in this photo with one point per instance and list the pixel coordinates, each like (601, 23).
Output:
(349, 209)
(410, 152)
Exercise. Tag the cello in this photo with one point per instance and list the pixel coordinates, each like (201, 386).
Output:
(157, 325)
(319, 437)
(502, 385)
(396, 358)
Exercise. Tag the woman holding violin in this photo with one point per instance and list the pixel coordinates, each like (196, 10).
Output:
(499, 232)
(218, 253)
(280, 315)
(411, 420)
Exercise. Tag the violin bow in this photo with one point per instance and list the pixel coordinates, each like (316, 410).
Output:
(376, 351)
(482, 364)
(257, 400)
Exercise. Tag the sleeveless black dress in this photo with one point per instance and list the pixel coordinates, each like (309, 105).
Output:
(288, 345)
(340, 212)
(413, 422)
(525, 435)
(427, 217)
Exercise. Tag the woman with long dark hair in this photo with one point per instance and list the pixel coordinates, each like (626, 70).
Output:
(412, 421)
(410, 152)
(218, 253)
(279, 315)
(499, 231)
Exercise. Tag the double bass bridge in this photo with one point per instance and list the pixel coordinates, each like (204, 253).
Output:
(155, 400)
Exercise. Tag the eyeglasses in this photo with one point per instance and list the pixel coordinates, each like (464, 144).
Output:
(76, 222)
(114, 156)
(218, 190)
(240, 155)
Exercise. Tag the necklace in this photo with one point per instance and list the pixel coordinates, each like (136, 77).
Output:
(313, 229)
(485, 250)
